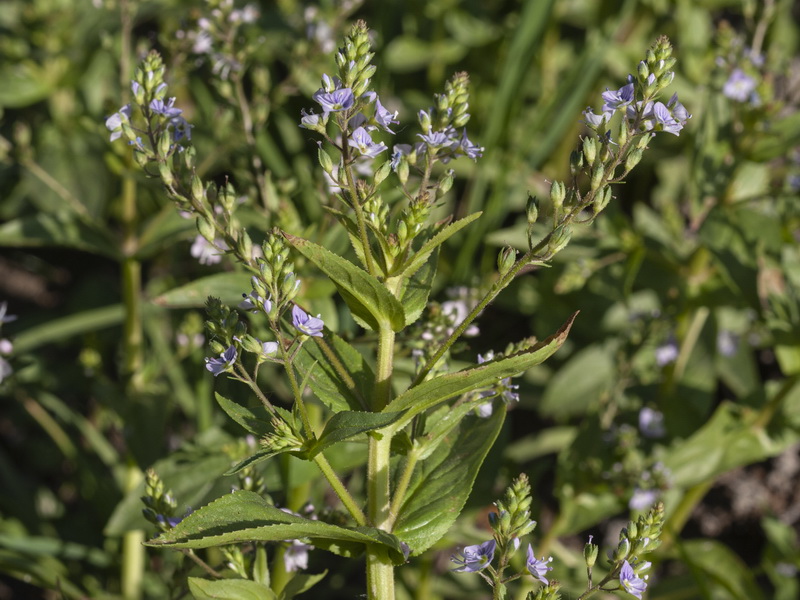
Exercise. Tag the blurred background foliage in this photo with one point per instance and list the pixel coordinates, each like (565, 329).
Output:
(678, 382)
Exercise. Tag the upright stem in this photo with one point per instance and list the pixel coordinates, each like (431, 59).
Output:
(380, 571)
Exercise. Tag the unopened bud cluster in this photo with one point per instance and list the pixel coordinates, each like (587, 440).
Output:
(159, 503)
(223, 325)
(283, 437)
(639, 537)
(513, 518)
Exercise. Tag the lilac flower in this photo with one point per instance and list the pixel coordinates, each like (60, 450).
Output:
(295, 556)
(503, 388)
(651, 423)
(361, 141)
(727, 343)
(115, 121)
(597, 121)
(171, 521)
(642, 499)
(6, 347)
(485, 410)
(305, 323)
(469, 149)
(203, 43)
(334, 101)
(666, 353)
(740, 86)
(474, 558)
(268, 349)
(205, 253)
(679, 112)
(159, 107)
(630, 582)
(223, 363)
(5, 369)
(538, 568)
(398, 152)
(664, 120)
(622, 97)
(4, 316)
(436, 139)
(383, 117)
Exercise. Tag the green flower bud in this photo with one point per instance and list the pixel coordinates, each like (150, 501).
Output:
(383, 172)
(644, 140)
(402, 170)
(206, 228)
(325, 160)
(643, 71)
(166, 174)
(590, 554)
(251, 344)
(597, 176)
(622, 135)
(445, 183)
(198, 194)
(633, 158)
(559, 239)
(506, 259)
(589, 149)
(216, 347)
(557, 194)
(532, 209)
(245, 244)
(624, 547)
(575, 162)
(228, 197)
(601, 199)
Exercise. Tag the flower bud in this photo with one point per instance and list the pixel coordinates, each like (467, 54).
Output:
(216, 347)
(559, 238)
(590, 554)
(166, 174)
(557, 194)
(290, 286)
(445, 183)
(622, 136)
(424, 121)
(402, 171)
(506, 259)
(228, 197)
(532, 209)
(597, 176)
(383, 172)
(245, 244)
(644, 140)
(601, 199)
(575, 162)
(633, 158)
(206, 228)
(251, 344)
(589, 149)
(198, 195)
(643, 71)
(325, 160)
(622, 550)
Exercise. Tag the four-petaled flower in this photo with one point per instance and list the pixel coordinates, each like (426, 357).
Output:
(295, 557)
(383, 117)
(114, 122)
(469, 149)
(159, 107)
(740, 86)
(630, 582)
(223, 363)
(334, 101)
(538, 568)
(305, 323)
(622, 97)
(436, 139)
(474, 558)
(595, 121)
(361, 141)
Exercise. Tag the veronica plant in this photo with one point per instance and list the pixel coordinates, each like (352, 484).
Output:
(424, 439)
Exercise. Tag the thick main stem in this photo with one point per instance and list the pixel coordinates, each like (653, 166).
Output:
(380, 571)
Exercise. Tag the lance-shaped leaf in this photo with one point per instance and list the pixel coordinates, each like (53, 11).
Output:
(417, 288)
(245, 516)
(347, 424)
(229, 589)
(441, 484)
(435, 391)
(228, 287)
(254, 420)
(337, 373)
(367, 298)
(421, 256)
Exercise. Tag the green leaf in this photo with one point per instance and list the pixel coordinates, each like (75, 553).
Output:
(441, 484)
(229, 589)
(299, 583)
(255, 420)
(435, 391)
(228, 287)
(69, 326)
(347, 424)
(253, 459)
(421, 256)
(717, 565)
(245, 516)
(45, 229)
(165, 229)
(349, 390)
(366, 297)
(579, 383)
(414, 297)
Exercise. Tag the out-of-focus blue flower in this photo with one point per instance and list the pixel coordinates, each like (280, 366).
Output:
(383, 117)
(171, 521)
(740, 86)
(254, 302)
(596, 121)
(474, 558)
(538, 568)
(664, 119)
(619, 98)
(436, 139)
(642, 499)
(666, 353)
(309, 120)
(679, 112)
(469, 149)
(114, 122)
(268, 349)
(295, 557)
(223, 363)
(651, 423)
(4, 316)
(630, 582)
(305, 323)
(5, 369)
(362, 141)
(727, 343)
(206, 253)
(503, 388)
(6, 347)
(334, 101)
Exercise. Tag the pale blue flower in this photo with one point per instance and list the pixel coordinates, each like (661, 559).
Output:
(617, 99)
(305, 323)
(114, 122)
(5, 369)
(666, 353)
(223, 363)
(469, 149)
(538, 567)
(334, 101)
(6, 347)
(383, 117)
(651, 423)
(739, 86)
(597, 121)
(4, 316)
(206, 253)
(167, 109)
(295, 557)
(474, 558)
(362, 141)
(642, 499)
(268, 349)
(436, 139)
(630, 582)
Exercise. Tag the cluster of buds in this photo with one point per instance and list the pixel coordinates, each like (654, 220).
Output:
(276, 284)
(159, 503)
(513, 519)
(284, 437)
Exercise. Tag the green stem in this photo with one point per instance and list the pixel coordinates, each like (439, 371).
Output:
(341, 491)
(402, 487)
(356, 205)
